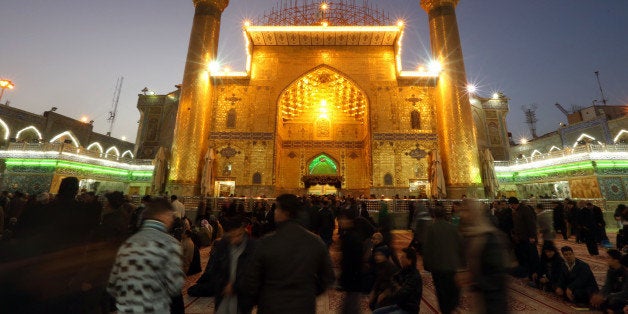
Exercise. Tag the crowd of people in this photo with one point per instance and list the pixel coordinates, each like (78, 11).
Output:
(83, 253)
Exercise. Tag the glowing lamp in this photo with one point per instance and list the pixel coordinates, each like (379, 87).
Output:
(213, 67)
(523, 141)
(435, 66)
(247, 23)
(471, 88)
(495, 95)
(400, 23)
(324, 6)
(84, 119)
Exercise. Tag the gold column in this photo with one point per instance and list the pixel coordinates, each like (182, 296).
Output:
(456, 129)
(195, 110)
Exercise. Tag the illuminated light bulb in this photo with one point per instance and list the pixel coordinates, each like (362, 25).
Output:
(213, 66)
(471, 88)
(495, 95)
(421, 68)
(435, 66)
(400, 23)
(247, 23)
(324, 6)
(523, 141)
(325, 24)
(84, 119)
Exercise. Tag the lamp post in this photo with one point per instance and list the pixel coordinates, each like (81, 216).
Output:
(4, 84)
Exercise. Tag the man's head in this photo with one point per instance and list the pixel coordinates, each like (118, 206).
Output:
(549, 250)
(346, 218)
(115, 199)
(568, 254)
(614, 260)
(234, 230)
(287, 207)
(377, 238)
(173, 198)
(161, 210)
(68, 188)
(513, 202)
(381, 254)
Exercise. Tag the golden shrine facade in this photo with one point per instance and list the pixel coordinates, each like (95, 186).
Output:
(323, 102)
(322, 109)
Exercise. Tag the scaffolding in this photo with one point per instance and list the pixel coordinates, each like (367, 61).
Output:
(334, 13)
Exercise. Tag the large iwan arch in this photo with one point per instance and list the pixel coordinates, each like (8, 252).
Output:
(323, 113)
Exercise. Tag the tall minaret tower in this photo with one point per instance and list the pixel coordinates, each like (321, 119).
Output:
(195, 110)
(456, 129)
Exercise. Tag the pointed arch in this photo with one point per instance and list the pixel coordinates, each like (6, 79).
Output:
(28, 128)
(322, 164)
(68, 134)
(127, 152)
(553, 148)
(619, 135)
(257, 178)
(325, 85)
(388, 179)
(97, 145)
(535, 152)
(582, 137)
(114, 149)
(6, 129)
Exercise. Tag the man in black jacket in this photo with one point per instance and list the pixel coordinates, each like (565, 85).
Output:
(225, 270)
(615, 290)
(524, 237)
(289, 267)
(407, 287)
(576, 282)
(443, 256)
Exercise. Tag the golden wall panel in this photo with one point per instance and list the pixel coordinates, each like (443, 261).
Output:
(585, 188)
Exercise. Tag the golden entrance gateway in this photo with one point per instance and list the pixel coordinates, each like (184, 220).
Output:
(325, 106)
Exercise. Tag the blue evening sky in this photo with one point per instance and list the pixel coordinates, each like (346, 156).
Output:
(69, 53)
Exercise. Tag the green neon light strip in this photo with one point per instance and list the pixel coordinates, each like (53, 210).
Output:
(142, 174)
(554, 169)
(604, 164)
(47, 163)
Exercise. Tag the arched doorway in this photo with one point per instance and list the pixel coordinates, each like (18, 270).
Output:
(322, 177)
(322, 111)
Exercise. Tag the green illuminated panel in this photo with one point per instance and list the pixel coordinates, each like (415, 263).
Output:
(323, 165)
(67, 164)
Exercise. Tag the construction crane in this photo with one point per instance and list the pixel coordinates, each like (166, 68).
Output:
(530, 112)
(597, 76)
(114, 111)
(563, 110)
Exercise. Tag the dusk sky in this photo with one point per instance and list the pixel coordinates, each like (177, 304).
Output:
(69, 53)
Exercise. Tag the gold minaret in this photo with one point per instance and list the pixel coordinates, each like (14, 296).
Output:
(455, 126)
(194, 113)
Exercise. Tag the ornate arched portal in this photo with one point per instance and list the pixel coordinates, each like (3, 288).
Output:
(323, 110)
